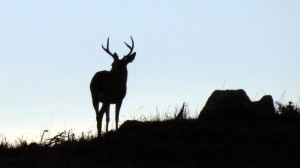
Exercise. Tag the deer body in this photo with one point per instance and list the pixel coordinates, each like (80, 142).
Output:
(109, 87)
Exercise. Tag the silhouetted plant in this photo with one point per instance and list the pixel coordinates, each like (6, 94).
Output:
(85, 136)
(4, 143)
(42, 136)
(288, 111)
(182, 113)
(20, 142)
(60, 138)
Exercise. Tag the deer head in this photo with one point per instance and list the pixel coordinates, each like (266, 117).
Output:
(119, 64)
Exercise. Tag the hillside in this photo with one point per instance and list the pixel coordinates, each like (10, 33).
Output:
(231, 131)
(171, 143)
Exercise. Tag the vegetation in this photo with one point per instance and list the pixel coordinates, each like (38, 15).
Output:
(289, 111)
(177, 141)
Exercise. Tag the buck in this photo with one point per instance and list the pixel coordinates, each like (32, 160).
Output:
(109, 87)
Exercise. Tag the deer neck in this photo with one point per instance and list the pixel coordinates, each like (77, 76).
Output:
(121, 76)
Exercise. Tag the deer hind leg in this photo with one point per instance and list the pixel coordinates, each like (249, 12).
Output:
(118, 107)
(100, 116)
(107, 117)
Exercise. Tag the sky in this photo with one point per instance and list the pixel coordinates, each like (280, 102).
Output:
(50, 50)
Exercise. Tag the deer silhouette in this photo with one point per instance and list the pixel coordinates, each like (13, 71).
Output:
(109, 87)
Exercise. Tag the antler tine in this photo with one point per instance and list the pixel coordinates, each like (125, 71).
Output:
(107, 48)
(130, 47)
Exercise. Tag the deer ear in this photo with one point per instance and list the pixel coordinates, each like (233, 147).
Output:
(115, 56)
(130, 57)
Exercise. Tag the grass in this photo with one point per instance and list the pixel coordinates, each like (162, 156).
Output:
(177, 140)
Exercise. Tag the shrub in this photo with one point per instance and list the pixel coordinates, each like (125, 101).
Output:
(288, 111)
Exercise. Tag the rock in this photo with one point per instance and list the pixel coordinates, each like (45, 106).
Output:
(264, 108)
(235, 104)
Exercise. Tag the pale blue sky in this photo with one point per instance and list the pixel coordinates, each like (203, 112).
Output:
(50, 50)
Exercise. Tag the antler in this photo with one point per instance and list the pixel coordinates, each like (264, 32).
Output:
(130, 47)
(115, 56)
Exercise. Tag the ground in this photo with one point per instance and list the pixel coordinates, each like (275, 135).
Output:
(174, 142)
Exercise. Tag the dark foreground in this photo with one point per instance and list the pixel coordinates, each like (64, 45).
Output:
(174, 143)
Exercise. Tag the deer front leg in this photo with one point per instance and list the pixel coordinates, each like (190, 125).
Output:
(100, 116)
(118, 107)
(96, 106)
